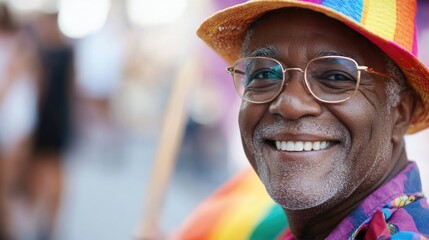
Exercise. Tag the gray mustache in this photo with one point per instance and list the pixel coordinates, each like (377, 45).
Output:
(302, 126)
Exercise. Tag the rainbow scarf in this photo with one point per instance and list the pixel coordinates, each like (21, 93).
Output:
(241, 209)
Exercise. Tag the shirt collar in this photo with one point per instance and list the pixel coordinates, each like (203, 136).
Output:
(406, 181)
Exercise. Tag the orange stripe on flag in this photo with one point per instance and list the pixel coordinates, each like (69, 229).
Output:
(251, 203)
(230, 213)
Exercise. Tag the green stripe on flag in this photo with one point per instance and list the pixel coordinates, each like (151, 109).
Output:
(272, 225)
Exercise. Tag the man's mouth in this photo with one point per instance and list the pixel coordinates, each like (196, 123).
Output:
(300, 146)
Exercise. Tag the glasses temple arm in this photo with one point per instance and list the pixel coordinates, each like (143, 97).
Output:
(371, 70)
(232, 70)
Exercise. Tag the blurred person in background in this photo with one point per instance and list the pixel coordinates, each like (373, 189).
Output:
(99, 59)
(53, 128)
(19, 92)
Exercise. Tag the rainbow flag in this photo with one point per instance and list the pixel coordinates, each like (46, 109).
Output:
(240, 209)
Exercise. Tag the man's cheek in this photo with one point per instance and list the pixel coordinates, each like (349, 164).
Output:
(246, 141)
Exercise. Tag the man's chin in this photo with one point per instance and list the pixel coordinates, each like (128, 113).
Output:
(294, 197)
(294, 205)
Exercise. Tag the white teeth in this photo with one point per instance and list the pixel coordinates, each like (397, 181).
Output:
(300, 146)
(290, 146)
(316, 146)
(308, 146)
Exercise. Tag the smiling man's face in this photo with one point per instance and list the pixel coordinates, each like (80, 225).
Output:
(350, 142)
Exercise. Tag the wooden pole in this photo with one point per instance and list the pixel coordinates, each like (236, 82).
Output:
(167, 149)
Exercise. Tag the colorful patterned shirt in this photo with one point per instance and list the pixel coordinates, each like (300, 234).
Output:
(396, 210)
(242, 210)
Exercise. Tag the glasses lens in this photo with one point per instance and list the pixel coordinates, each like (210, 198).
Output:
(257, 79)
(332, 78)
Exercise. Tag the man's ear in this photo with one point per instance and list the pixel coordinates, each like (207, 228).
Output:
(403, 113)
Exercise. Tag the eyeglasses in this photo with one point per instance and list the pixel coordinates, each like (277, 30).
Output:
(330, 79)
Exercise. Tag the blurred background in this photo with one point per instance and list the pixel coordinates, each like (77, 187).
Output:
(85, 91)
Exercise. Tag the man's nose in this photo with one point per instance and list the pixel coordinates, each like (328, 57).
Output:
(295, 101)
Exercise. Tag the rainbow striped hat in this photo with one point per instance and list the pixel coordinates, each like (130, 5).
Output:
(389, 24)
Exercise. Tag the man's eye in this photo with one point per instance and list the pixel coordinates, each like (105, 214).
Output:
(336, 76)
(265, 74)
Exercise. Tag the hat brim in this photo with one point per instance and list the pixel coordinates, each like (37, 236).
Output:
(224, 32)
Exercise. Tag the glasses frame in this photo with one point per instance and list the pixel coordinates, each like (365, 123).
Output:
(231, 70)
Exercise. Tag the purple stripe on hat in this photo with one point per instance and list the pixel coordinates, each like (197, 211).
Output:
(415, 37)
(352, 9)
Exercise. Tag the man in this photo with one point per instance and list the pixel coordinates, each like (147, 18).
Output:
(329, 89)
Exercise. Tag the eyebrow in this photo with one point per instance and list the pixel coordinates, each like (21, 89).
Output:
(267, 51)
(324, 53)
(273, 52)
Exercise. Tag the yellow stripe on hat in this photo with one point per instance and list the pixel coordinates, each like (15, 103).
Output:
(380, 17)
(251, 207)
